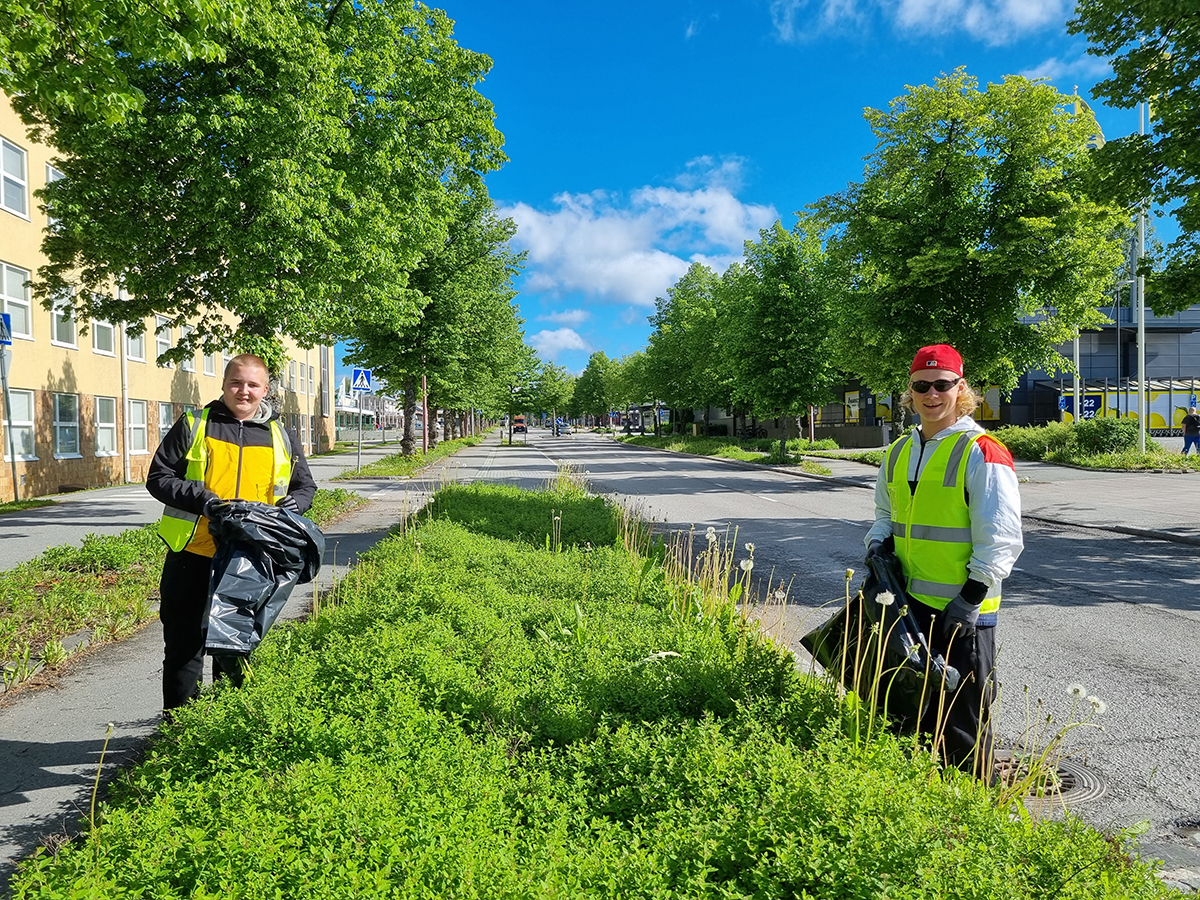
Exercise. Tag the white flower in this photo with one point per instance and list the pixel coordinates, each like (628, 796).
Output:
(885, 598)
(750, 549)
(1076, 690)
(747, 565)
(711, 534)
(849, 574)
(1098, 705)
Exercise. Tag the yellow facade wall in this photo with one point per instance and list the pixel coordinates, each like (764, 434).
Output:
(43, 367)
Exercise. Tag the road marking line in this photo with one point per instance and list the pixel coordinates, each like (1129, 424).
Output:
(765, 497)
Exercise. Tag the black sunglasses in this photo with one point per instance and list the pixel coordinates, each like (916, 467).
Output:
(942, 384)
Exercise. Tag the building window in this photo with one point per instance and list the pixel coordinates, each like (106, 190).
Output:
(12, 170)
(106, 426)
(135, 346)
(104, 338)
(62, 325)
(189, 363)
(14, 299)
(210, 364)
(21, 411)
(166, 418)
(137, 426)
(52, 175)
(66, 426)
(292, 376)
(312, 381)
(162, 339)
(303, 378)
(326, 399)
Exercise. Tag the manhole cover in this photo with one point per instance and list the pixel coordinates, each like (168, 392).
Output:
(1070, 783)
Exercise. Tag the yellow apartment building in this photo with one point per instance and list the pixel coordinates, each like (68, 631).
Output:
(88, 402)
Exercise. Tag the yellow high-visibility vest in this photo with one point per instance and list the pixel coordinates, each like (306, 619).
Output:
(932, 527)
(227, 477)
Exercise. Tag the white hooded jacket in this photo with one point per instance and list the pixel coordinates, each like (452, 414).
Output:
(993, 499)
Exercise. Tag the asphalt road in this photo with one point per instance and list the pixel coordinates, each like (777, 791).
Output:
(1118, 613)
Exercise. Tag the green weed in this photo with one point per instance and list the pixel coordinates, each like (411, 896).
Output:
(478, 717)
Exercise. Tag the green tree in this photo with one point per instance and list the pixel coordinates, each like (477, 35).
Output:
(553, 390)
(74, 58)
(684, 366)
(1154, 49)
(466, 337)
(296, 183)
(779, 323)
(594, 388)
(972, 226)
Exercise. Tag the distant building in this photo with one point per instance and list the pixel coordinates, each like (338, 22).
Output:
(90, 409)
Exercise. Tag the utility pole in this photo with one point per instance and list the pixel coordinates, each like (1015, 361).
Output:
(1143, 382)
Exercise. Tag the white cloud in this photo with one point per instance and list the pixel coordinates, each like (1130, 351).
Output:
(1083, 66)
(572, 317)
(551, 343)
(990, 21)
(630, 250)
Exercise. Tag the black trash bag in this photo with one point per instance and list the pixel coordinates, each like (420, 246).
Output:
(263, 552)
(847, 646)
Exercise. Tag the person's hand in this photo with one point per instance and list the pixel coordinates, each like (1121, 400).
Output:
(289, 503)
(214, 506)
(887, 545)
(959, 618)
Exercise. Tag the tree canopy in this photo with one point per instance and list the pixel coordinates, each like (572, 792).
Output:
(296, 182)
(974, 226)
(1154, 49)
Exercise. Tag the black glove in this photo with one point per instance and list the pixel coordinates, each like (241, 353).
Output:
(887, 545)
(289, 503)
(214, 506)
(959, 619)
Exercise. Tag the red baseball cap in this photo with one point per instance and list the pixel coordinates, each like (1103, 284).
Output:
(937, 356)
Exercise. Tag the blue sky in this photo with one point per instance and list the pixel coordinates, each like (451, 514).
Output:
(644, 137)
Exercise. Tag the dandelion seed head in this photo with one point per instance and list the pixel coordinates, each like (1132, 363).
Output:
(885, 598)
(849, 574)
(1098, 706)
(750, 548)
(747, 565)
(1076, 690)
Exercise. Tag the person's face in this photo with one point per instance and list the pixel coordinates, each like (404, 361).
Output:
(937, 407)
(244, 389)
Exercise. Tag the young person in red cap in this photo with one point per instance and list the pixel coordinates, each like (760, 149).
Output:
(947, 503)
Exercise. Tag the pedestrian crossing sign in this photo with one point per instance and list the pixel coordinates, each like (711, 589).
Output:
(361, 380)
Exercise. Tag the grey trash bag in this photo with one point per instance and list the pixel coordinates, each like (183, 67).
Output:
(911, 676)
(262, 553)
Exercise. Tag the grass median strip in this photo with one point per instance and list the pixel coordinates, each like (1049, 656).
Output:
(500, 706)
(21, 505)
(400, 465)
(101, 591)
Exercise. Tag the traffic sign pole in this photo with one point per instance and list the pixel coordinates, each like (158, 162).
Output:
(5, 358)
(360, 393)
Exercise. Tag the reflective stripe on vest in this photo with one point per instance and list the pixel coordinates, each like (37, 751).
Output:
(932, 527)
(177, 527)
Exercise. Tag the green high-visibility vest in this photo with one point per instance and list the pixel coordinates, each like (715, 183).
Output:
(177, 527)
(932, 527)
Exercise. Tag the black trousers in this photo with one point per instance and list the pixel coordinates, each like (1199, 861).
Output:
(964, 732)
(184, 602)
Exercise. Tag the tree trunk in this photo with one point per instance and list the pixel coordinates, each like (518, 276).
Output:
(408, 443)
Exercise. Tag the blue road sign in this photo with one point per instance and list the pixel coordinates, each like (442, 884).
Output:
(361, 380)
(1192, 400)
(6, 331)
(1062, 402)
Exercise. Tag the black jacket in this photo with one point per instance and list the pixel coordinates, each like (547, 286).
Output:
(166, 479)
